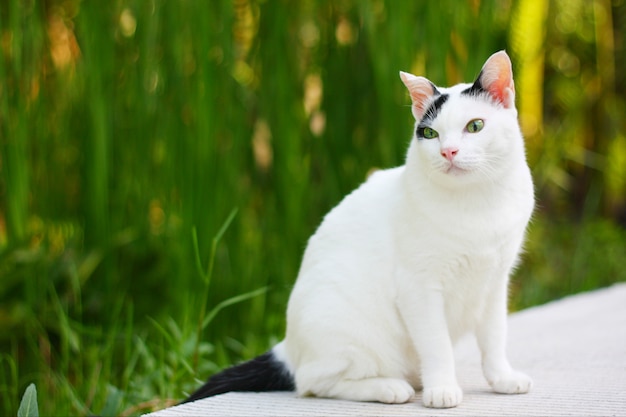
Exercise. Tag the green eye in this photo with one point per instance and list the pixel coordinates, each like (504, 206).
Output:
(475, 125)
(429, 133)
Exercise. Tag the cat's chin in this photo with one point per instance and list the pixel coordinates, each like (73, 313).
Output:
(455, 177)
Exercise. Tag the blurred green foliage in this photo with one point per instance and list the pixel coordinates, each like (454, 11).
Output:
(126, 125)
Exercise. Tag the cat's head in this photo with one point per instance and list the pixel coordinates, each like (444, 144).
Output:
(467, 133)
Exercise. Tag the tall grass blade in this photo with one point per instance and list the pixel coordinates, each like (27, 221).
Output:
(206, 276)
(9, 377)
(229, 302)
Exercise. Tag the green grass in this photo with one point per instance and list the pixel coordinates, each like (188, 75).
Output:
(566, 258)
(131, 131)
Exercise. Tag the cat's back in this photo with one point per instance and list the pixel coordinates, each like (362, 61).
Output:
(365, 213)
(354, 239)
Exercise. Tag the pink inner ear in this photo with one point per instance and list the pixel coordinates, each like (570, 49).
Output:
(421, 91)
(497, 78)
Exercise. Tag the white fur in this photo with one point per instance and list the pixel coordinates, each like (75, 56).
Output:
(413, 259)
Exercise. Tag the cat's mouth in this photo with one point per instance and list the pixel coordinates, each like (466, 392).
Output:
(453, 169)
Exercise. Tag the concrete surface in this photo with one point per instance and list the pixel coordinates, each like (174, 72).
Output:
(574, 349)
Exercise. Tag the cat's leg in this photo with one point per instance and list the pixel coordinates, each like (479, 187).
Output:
(423, 312)
(491, 336)
(346, 378)
(384, 390)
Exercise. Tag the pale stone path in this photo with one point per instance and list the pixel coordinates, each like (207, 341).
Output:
(574, 349)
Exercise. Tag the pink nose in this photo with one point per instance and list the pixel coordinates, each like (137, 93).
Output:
(449, 153)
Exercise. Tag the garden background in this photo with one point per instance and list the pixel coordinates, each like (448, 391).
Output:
(158, 157)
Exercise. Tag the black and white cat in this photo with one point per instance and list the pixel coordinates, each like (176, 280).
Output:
(416, 257)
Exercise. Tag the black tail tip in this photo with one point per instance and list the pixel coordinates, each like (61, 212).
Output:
(261, 374)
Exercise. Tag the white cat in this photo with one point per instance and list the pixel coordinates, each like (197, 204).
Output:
(413, 259)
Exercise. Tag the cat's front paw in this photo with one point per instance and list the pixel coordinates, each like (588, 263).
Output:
(445, 396)
(513, 382)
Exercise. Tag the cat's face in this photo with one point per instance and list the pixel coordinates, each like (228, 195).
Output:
(467, 133)
(469, 139)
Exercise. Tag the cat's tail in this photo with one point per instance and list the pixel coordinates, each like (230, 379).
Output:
(263, 373)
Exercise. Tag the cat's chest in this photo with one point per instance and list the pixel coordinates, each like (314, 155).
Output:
(463, 246)
(470, 224)
(475, 239)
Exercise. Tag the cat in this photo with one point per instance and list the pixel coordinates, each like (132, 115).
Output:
(410, 261)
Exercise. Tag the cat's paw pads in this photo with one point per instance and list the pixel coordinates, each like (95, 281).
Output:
(396, 392)
(511, 383)
(445, 396)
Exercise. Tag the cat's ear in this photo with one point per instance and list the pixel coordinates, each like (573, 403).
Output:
(421, 91)
(496, 78)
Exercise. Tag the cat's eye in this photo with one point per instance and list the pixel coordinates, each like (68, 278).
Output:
(475, 125)
(429, 133)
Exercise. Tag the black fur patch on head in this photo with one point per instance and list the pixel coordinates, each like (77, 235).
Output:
(264, 373)
(476, 89)
(431, 112)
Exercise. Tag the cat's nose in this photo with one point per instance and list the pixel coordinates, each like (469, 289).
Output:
(449, 153)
